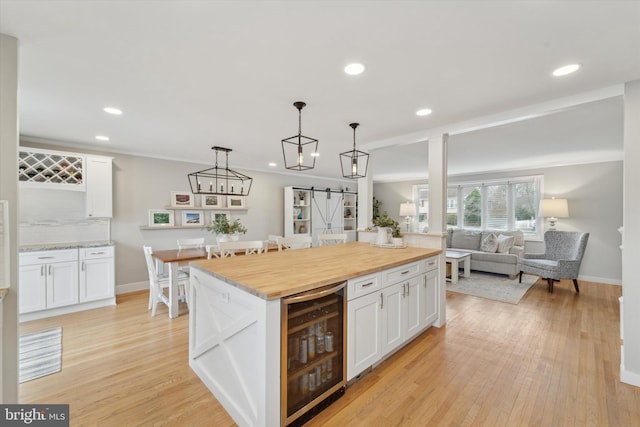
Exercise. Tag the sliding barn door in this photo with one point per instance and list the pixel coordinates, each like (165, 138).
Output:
(326, 213)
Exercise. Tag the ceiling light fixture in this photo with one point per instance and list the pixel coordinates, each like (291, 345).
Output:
(220, 180)
(273, 164)
(354, 163)
(567, 69)
(423, 112)
(354, 69)
(102, 138)
(298, 148)
(113, 110)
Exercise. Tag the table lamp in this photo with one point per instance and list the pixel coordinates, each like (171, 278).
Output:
(553, 209)
(407, 210)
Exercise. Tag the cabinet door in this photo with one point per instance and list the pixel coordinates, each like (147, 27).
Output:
(99, 192)
(429, 298)
(392, 313)
(412, 312)
(33, 288)
(62, 284)
(96, 279)
(363, 333)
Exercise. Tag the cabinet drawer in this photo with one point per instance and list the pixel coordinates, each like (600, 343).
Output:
(99, 252)
(429, 264)
(394, 275)
(363, 285)
(45, 257)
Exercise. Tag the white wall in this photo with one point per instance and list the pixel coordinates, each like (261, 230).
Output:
(594, 193)
(141, 183)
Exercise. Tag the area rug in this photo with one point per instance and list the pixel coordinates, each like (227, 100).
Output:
(40, 354)
(493, 286)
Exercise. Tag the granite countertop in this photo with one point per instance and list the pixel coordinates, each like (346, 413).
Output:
(67, 245)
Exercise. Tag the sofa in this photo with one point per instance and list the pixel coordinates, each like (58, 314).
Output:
(493, 251)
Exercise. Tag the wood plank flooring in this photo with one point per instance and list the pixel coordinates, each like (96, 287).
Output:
(552, 360)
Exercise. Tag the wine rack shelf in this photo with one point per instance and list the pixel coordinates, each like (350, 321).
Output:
(44, 168)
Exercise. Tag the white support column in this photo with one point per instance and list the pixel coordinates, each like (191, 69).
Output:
(630, 351)
(438, 209)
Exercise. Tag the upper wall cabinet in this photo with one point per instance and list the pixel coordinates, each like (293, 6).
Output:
(51, 169)
(99, 187)
(58, 170)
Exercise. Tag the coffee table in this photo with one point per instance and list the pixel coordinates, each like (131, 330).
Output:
(455, 258)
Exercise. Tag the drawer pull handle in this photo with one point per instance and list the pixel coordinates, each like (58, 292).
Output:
(432, 263)
(381, 301)
(405, 272)
(45, 257)
(96, 253)
(367, 284)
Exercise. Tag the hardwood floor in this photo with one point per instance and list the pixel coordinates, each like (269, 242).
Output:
(552, 360)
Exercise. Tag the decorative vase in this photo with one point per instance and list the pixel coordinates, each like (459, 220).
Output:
(398, 241)
(383, 236)
(222, 238)
(234, 237)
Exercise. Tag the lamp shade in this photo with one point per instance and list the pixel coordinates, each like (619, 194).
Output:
(553, 208)
(407, 209)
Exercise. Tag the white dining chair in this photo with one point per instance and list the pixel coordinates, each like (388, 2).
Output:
(212, 251)
(331, 239)
(158, 282)
(250, 247)
(194, 243)
(294, 242)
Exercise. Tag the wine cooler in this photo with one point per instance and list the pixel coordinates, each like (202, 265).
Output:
(314, 363)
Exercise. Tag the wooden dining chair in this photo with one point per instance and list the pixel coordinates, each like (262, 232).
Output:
(250, 247)
(158, 282)
(332, 239)
(294, 242)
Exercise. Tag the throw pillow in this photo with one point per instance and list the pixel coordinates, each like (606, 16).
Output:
(505, 243)
(489, 243)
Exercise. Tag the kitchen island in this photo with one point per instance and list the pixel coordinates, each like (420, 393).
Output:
(235, 334)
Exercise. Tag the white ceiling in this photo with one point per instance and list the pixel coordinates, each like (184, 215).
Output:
(193, 74)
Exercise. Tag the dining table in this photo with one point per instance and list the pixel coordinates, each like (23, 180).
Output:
(173, 259)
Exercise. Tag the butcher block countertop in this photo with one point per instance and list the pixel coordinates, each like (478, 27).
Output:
(279, 274)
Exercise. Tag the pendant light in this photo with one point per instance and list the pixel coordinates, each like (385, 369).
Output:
(299, 151)
(220, 180)
(355, 162)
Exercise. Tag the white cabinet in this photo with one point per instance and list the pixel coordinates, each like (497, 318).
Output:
(388, 309)
(97, 279)
(98, 177)
(48, 279)
(350, 212)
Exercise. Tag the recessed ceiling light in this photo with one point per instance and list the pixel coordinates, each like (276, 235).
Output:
(102, 138)
(273, 164)
(424, 112)
(354, 69)
(113, 110)
(567, 69)
(315, 154)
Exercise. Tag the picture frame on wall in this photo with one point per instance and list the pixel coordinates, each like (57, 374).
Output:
(192, 218)
(212, 201)
(160, 218)
(235, 201)
(215, 214)
(182, 199)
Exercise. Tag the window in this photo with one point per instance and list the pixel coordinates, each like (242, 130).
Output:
(489, 205)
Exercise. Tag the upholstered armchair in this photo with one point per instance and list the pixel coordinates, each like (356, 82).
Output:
(561, 260)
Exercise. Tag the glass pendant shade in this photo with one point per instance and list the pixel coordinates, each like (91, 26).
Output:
(354, 163)
(299, 151)
(220, 180)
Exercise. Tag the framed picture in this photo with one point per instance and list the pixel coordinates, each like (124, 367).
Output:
(212, 201)
(192, 218)
(215, 214)
(160, 218)
(235, 201)
(181, 199)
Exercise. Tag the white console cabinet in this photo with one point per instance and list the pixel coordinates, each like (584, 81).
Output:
(387, 309)
(48, 279)
(96, 273)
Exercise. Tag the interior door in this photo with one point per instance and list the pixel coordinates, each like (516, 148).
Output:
(326, 213)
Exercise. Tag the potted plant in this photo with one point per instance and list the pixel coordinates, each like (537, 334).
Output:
(236, 228)
(385, 225)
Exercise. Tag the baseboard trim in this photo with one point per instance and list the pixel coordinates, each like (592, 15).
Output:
(132, 287)
(603, 280)
(627, 377)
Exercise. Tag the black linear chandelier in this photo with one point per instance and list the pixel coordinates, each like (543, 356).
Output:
(355, 162)
(299, 151)
(220, 180)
